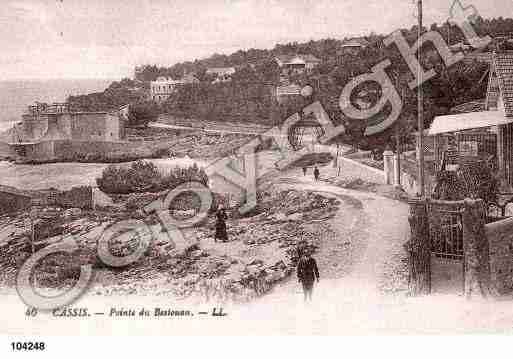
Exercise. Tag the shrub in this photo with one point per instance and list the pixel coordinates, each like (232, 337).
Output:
(144, 176)
(114, 179)
(472, 180)
(179, 175)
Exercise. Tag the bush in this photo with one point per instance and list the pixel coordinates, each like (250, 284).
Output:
(114, 179)
(142, 113)
(179, 175)
(144, 176)
(472, 180)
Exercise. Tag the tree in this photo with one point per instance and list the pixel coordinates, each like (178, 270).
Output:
(142, 113)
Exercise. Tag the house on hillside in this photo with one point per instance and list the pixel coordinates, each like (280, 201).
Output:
(163, 87)
(353, 46)
(484, 133)
(290, 64)
(287, 90)
(222, 74)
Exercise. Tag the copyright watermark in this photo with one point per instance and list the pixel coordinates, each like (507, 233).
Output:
(245, 177)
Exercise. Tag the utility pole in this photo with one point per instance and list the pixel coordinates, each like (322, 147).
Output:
(420, 118)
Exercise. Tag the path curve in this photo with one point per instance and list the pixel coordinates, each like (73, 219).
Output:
(387, 229)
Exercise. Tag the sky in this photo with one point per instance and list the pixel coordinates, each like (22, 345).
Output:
(44, 39)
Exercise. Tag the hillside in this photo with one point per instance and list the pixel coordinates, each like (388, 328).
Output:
(250, 94)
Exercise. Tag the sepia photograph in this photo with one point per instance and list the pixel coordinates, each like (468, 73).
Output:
(255, 167)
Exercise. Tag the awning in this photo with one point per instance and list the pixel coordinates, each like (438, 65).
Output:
(467, 121)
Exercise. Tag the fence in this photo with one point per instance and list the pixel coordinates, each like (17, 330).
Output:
(452, 246)
(445, 230)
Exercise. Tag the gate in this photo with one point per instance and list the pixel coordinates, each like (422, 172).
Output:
(446, 238)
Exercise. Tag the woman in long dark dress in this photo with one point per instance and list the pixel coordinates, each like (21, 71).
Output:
(221, 234)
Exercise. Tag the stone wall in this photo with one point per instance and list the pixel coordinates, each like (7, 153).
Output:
(34, 152)
(500, 238)
(76, 151)
(95, 127)
(76, 197)
(351, 169)
(13, 202)
(80, 126)
(6, 150)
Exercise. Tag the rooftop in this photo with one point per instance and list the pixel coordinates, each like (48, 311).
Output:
(503, 66)
(467, 121)
(356, 42)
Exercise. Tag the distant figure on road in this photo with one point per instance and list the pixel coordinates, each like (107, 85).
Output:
(316, 173)
(221, 234)
(307, 272)
(304, 171)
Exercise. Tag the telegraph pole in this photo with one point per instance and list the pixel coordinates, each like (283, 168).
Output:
(420, 118)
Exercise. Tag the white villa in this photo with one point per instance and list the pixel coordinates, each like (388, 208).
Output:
(164, 87)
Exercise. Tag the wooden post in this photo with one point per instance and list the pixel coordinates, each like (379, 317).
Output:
(397, 162)
(419, 248)
(420, 109)
(335, 163)
(475, 250)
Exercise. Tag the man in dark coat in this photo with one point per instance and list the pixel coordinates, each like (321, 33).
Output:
(307, 273)
(316, 173)
(304, 171)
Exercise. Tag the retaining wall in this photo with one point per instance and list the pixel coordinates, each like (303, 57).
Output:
(90, 151)
(500, 239)
(13, 202)
(352, 169)
(76, 197)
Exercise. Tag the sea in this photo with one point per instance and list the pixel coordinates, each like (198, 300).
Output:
(16, 95)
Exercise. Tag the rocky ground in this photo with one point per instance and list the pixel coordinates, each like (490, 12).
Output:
(262, 249)
(194, 144)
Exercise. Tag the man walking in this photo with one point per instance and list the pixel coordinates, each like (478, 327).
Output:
(304, 171)
(316, 173)
(307, 272)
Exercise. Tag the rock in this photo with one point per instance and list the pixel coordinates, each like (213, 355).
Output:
(279, 216)
(294, 217)
(72, 212)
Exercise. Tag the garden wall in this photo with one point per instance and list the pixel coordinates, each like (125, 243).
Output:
(500, 238)
(13, 200)
(77, 197)
(352, 169)
(85, 151)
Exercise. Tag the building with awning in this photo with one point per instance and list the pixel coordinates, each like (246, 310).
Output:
(486, 134)
(467, 121)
